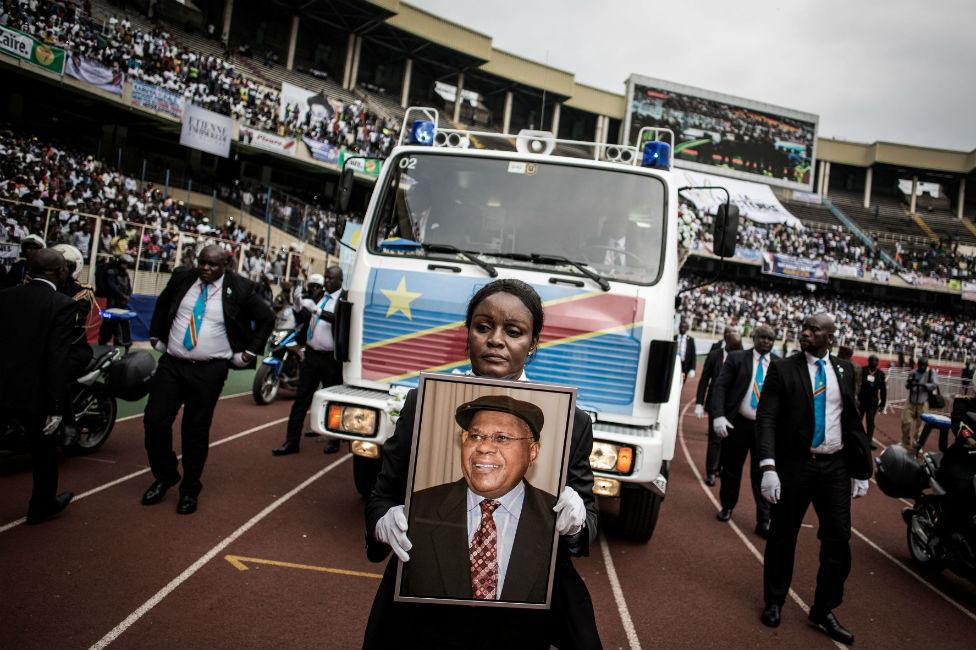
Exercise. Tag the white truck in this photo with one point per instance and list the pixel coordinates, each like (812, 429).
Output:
(592, 227)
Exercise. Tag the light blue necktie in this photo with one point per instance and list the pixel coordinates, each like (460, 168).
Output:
(315, 320)
(196, 321)
(757, 382)
(820, 404)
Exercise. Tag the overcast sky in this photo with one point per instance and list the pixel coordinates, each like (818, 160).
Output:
(893, 70)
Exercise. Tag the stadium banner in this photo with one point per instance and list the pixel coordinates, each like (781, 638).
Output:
(267, 141)
(296, 98)
(807, 197)
(796, 268)
(726, 135)
(846, 270)
(969, 291)
(206, 131)
(368, 166)
(755, 201)
(146, 95)
(322, 151)
(93, 72)
(28, 48)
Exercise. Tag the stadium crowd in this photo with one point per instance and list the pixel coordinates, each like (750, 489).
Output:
(862, 324)
(205, 80)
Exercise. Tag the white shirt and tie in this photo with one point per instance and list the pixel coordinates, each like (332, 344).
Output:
(506, 517)
(212, 340)
(320, 330)
(746, 409)
(683, 346)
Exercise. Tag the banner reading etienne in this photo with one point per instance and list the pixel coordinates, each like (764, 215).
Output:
(206, 131)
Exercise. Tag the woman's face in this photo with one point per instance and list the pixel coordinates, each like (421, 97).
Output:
(500, 336)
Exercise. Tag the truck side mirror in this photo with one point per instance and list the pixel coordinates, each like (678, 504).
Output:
(340, 226)
(344, 189)
(725, 229)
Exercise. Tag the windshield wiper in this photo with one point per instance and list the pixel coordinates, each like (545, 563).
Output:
(448, 248)
(559, 259)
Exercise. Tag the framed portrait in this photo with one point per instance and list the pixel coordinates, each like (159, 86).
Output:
(488, 461)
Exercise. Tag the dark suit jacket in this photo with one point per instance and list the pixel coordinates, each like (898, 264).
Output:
(710, 370)
(569, 621)
(247, 319)
(872, 396)
(733, 382)
(691, 358)
(784, 420)
(36, 323)
(439, 565)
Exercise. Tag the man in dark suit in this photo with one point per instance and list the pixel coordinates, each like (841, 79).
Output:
(872, 395)
(686, 351)
(37, 322)
(320, 365)
(117, 289)
(735, 397)
(201, 325)
(809, 433)
(731, 340)
(487, 536)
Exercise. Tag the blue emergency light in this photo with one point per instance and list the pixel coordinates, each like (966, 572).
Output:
(422, 133)
(656, 154)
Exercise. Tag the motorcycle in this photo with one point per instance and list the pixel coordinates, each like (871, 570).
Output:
(941, 526)
(279, 369)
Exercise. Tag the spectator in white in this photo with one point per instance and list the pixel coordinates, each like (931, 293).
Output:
(921, 383)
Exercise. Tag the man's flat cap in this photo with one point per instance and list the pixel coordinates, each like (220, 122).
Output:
(530, 413)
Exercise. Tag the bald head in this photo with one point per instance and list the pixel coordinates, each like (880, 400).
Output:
(48, 264)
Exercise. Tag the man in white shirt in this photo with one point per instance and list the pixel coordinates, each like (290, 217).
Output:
(319, 365)
(809, 432)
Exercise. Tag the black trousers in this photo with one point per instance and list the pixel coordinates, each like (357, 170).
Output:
(825, 482)
(869, 422)
(740, 444)
(117, 329)
(317, 368)
(713, 455)
(44, 456)
(196, 387)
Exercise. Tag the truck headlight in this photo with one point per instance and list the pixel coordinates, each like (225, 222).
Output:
(345, 418)
(608, 457)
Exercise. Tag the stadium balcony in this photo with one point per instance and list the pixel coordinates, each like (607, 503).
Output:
(810, 213)
(887, 213)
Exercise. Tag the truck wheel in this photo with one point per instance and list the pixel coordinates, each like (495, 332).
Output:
(364, 473)
(265, 385)
(639, 509)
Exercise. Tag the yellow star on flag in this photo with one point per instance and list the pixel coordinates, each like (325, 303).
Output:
(400, 298)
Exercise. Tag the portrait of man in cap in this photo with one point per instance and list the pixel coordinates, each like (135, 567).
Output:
(489, 535)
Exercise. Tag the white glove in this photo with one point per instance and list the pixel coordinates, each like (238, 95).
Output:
(722, 427)
(158, 345)
(51, 424)
(570, 512)
(691, 374)
(699, 411)
(310, 305)
(770, 486)
(392, 529)
(859, 488)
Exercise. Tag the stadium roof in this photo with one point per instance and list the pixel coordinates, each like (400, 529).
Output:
(859, 154)
(441, 32)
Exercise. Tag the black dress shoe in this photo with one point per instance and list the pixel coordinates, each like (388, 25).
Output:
(156, 492)
(770, 615)
(60, 503)
(762, 529)
(285, 449)
(724, 514)
(827, 622)
(710, 479)
(187, 505)
(332, 447)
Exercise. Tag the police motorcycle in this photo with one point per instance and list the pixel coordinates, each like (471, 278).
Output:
(113, 373)
(941, 526)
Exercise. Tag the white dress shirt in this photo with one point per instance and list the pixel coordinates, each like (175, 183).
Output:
(682, 346)
(745, 407)
(833, 441)
(321, 338)
(506, 518)
(212, 340)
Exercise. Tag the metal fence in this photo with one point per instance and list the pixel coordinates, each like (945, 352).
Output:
(950, 386)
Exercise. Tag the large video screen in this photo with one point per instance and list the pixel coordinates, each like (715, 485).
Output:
(726, 135)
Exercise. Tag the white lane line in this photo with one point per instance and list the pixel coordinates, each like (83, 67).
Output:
(209, 555)
(125, 478)
(738, 531)
(618, 595)
(139, 415)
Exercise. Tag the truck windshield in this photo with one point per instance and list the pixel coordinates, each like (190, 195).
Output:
(515, 213)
